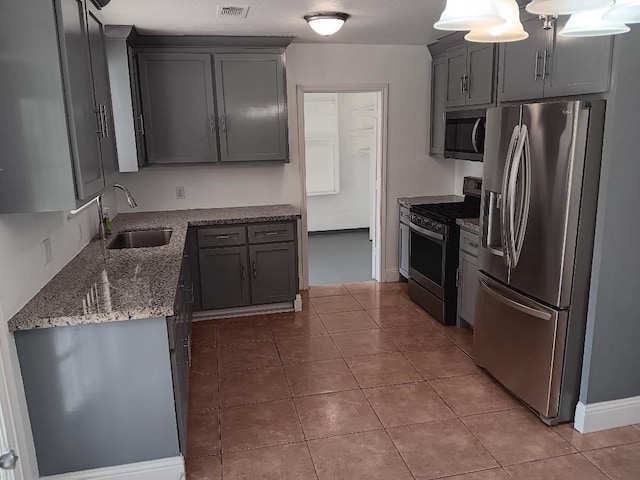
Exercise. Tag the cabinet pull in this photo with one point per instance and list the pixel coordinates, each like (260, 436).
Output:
(255, 271)
(106, 122)
(98, 113)
(223, 123)
(466, 84)
(211, 125)
(272, 234)
(223, 237)
(141, 125)
(537, 72)
(545, 70)
(242, 271)
(462, 84)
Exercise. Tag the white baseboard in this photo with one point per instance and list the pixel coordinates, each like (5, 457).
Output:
(162, 469)
(297, 303)
(391, 275)
(594, 417)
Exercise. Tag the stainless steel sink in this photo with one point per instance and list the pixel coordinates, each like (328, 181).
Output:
(140, 239)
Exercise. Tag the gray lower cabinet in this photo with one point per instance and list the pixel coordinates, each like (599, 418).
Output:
(224, 277)
(251, 94)
(467, 277)
(438, 96)
(178, 107)
(273, 277)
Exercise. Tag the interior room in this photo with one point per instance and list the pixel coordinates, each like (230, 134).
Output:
(319, 241)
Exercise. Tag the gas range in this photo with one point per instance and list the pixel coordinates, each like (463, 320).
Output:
(441, 217)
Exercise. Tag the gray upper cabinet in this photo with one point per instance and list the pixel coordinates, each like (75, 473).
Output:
(273, 273)
(438, 96)
(178, 107)
(578, 65)
(480, 76)
(251, 100)
(224, 277)
(456, 77)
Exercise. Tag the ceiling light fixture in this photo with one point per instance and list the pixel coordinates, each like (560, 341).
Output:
(565, 7)
(511, 31)
(326, 23)
(592, 24)
(624, 11)
(469, 15)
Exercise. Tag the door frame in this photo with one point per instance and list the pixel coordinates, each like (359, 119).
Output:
(381, 172)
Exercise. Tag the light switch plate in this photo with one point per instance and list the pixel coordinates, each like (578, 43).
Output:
(180, 194)
(47, 252)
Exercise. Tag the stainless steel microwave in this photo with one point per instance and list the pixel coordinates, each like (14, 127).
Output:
(464, 135)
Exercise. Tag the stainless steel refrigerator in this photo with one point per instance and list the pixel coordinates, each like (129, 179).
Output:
(541, 174)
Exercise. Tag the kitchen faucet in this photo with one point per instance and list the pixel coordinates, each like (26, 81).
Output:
(130, 200)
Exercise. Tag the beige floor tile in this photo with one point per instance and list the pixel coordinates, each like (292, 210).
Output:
(203, 392)
(595, 440)
(417, 338)
(442, 363)
(348, 321)
(365, 342)
(204, 468)
(380, 299)
(253, 386)
(282, 462)
(203, 437)
(438, 449)
(361, 287)
(320, 377)
(382, 369)
(363, 456)
(491, 474)
(342, 303)
(459, 336)
(246, 355)
(327, 291)
(398, 316)
(517, 436)
(244, 331)
(295, 326)
(259, 425)
(407, 404)
(333, 414)
(473, 394)
(568, 467)
(621, 462)
(204, 360)
(307, 349)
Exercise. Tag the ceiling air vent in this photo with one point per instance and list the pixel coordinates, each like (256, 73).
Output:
(233, 12)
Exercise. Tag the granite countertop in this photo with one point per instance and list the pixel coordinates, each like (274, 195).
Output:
(410, 201)
(132, 283)
(472, 224)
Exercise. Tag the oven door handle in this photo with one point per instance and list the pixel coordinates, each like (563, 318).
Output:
(426, 233)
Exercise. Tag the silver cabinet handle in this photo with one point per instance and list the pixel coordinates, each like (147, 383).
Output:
(545, 70)
(140, 124)
(211, 125)
(223, 237)
(470, 243)
(272, 234)
(242, 271)
(462, 84)
(516, 305)
(466, 84)
(99, 119)
(537, 71)
(223, 123)
(106, 121)
(255, 270)
(8, 460)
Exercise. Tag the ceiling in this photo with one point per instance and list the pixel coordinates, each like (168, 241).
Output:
(393, 22)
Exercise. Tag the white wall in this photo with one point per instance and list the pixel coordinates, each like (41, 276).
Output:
(465, 168)
(351, 207)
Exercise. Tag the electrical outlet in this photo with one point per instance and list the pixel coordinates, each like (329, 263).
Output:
(180, 195)
(80, 234)
(47, 252)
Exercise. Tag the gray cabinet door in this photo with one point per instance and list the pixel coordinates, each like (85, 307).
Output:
(178, 107)
(456, 71)
(273, 273)
(480, 74)
(102, 92)
(467, 287)
(251, 100)
(438, 99)
(83, 120)
(578, 65)
(521, 64)
(404, 250)
(224, 277)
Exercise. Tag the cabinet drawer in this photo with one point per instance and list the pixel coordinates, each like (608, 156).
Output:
(279, 232)
(222, 237)
(469, 242)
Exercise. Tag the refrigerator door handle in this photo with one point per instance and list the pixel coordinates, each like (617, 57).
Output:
(515, 305)
(506, 227)
(521, 164)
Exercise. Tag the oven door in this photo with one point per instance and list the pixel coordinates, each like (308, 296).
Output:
(465, 135)
(427, 256)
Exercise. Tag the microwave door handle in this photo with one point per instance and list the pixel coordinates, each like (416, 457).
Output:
(474, 135)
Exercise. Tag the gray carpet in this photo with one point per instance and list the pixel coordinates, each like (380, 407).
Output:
(339, 257)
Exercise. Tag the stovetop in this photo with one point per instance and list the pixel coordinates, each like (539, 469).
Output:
(440, 217)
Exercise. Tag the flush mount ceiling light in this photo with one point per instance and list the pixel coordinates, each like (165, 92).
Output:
(592, 24)
(326, 23)
(511, 31)
(565, 7)
(624, 11)
(469, 15)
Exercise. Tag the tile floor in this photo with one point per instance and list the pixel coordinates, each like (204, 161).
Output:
(363, 384)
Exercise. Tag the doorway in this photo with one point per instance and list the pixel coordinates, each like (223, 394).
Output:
(342, 135)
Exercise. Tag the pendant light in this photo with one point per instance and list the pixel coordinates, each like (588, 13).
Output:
(624, 11)
(326, 23)
(469, 15)
(592, 24)
(565, 7)
(511, 31)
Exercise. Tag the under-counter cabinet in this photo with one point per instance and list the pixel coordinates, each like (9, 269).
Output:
(467, 277)
(548, 65)
(57, 136)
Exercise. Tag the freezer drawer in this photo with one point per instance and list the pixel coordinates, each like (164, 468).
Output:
(521, 343)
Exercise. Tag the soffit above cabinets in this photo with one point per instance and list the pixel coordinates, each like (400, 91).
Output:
(406, 22)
